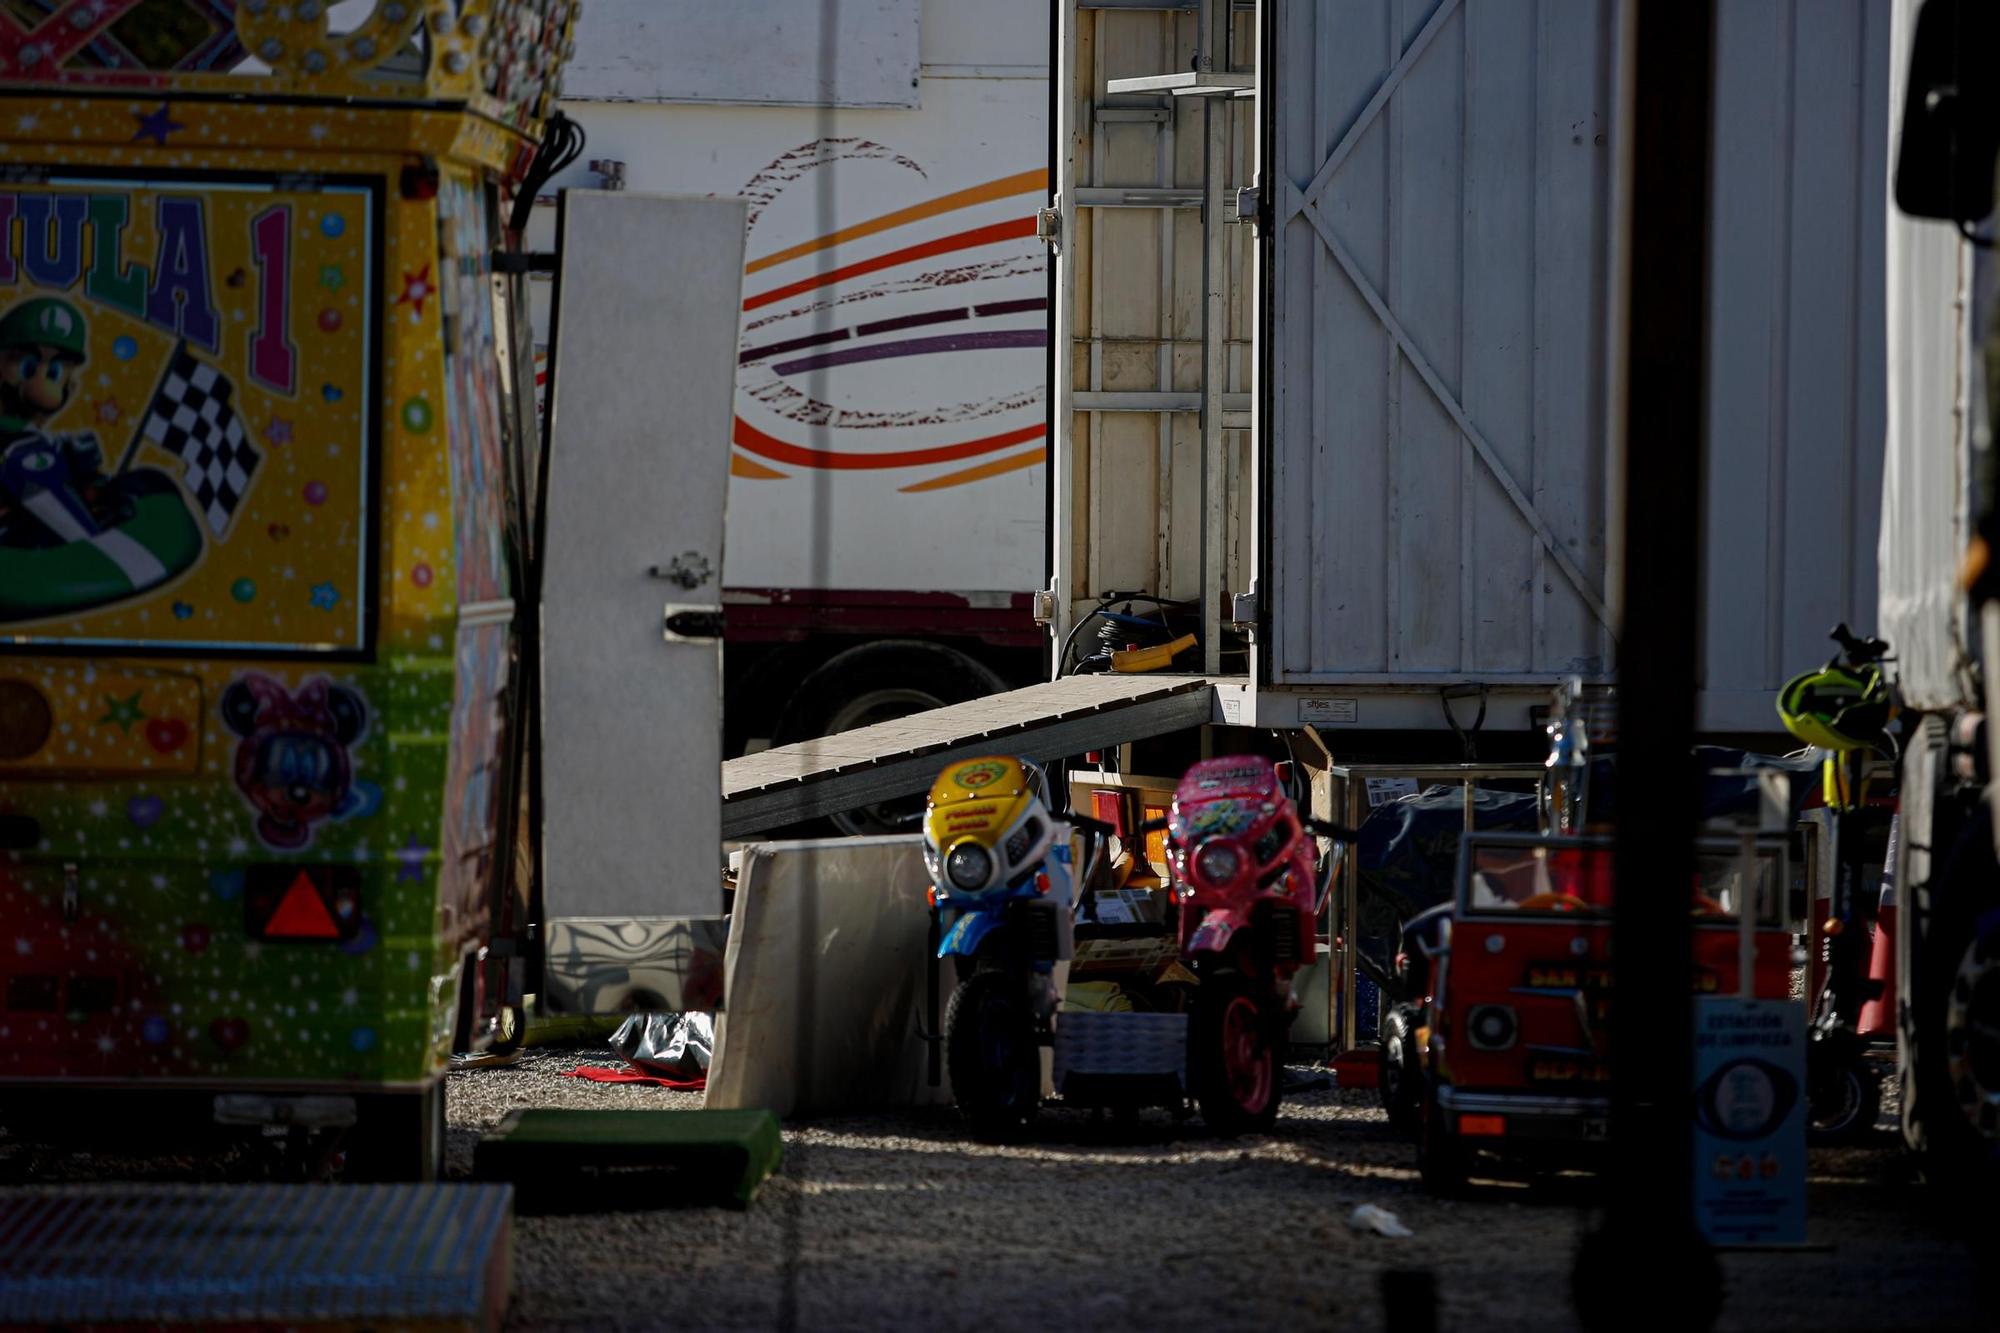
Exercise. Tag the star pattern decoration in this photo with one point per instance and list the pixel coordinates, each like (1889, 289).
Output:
(122, 713)
(410, 860)
(325, 596)
(279, 431)
(330, 277)
(417, 289)
(108, 410)
(155, 125)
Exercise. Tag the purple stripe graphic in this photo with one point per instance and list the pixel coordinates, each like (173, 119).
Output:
(1012, 307)
(910, 321)
(954, 342)
(750, 354)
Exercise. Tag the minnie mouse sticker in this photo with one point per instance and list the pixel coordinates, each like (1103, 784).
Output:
(293, 763)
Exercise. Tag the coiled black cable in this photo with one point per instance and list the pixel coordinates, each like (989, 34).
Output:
(562, 143)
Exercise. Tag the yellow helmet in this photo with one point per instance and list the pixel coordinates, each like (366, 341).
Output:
(987, 825)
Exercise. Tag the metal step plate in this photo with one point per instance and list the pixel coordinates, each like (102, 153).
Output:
(223, 1256)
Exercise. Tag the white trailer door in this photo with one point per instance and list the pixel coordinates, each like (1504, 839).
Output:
(644, 357)
(1435, 310)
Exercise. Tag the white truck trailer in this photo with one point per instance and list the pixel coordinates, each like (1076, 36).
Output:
(887, 496)
(1419, 314)
(1370, 422)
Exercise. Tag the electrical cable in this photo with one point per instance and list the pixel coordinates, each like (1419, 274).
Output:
(562, 144)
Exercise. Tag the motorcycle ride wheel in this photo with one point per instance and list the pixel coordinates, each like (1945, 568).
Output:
(1443, 1165)
(990, 1053)
(1401, 1075)
(1233, 1056)
(1845, 1104)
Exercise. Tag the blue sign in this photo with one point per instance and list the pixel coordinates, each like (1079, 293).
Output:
(1750, 1121)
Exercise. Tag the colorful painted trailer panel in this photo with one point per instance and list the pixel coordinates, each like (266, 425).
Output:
(258, 554)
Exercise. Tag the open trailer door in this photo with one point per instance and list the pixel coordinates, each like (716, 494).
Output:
(643, 364)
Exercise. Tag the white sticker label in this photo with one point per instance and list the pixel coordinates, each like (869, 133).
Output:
(1383, 790)
(1232, 708)
(1329, 710)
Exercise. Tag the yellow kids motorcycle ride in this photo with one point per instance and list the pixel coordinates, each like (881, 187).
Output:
(1000, 865)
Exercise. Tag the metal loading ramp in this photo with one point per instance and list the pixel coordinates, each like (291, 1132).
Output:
(821, 777)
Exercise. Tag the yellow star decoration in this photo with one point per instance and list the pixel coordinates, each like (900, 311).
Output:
(122, 713)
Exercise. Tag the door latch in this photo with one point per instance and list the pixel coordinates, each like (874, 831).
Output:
(689, 569)
(684, 623)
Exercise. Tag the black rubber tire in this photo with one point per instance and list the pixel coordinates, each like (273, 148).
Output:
(998, 1097)
(397, 1137)
(1939, 927)
(1851, 1111)
(1400, 1078)
(1222, 1108)
(1443, 1165)
(929, 675)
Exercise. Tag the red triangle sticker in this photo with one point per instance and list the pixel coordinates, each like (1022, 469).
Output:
(301, 914)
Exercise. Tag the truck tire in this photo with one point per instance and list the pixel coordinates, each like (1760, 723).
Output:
(990, 1053)
(1949, 976)
(879, 682)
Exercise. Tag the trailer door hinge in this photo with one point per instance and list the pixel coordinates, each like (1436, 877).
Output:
(1251, 206)
(1045, 607)
(1243, 610)
(1048, 226)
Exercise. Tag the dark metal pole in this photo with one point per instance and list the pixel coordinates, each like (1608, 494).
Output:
(1648, 1263)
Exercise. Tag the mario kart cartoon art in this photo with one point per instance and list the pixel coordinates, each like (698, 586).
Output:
(74, 535)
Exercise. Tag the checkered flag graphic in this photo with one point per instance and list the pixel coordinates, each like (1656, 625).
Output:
(192, 419)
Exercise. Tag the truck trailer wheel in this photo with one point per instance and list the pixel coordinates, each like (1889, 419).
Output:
(1949, 1018)
(880, 682)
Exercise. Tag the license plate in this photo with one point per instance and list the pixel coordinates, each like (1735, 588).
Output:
(1596, 1129)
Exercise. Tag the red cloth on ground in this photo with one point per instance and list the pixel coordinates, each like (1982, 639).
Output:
(599, 1074)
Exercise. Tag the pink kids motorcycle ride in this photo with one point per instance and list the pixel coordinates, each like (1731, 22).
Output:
(1244, 861)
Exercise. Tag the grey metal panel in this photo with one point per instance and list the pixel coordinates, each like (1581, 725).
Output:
(1798, 353)
(853, 53)
(1436, 332)
(644, 386)
(1930, 415)
(1436, 327)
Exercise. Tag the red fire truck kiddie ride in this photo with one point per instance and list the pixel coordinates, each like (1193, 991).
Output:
(1515, 986)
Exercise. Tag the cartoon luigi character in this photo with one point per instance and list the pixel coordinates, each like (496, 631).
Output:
(51, 482)
(72, 536)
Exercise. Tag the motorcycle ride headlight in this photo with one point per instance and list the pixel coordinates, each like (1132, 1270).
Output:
(1491, 1027)
(1217, 862)
(968, 866)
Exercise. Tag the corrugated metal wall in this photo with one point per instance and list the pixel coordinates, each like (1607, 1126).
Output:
(1797, 353)
(1927, 472)
(1439, 502)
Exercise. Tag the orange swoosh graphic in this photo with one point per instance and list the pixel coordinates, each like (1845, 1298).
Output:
(739, 466)
(963, 240)
(767, 446)
(1022, 183)
(1011, 463)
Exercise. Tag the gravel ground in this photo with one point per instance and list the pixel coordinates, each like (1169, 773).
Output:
(894, 1220)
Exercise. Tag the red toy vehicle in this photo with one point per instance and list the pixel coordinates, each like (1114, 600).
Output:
(1244, 862)
(1511, 1033)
